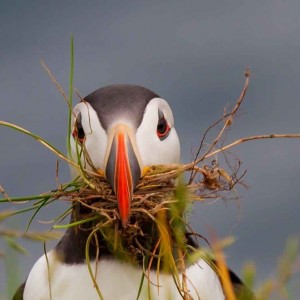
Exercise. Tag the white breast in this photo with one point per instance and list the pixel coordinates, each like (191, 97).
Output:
(116, 281)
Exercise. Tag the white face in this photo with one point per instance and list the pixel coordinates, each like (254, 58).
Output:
(95, 137)
(155, 140)
(154, 150)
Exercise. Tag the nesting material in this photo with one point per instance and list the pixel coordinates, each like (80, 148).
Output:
(157, 212)
(159, 205)
(160, 201)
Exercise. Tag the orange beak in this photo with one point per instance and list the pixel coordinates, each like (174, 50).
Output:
(122, 169)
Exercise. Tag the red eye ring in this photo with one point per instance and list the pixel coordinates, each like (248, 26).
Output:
(76, 137)
(163, 128)
(78, 131)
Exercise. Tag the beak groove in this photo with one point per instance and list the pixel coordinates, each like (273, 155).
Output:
(123, 170)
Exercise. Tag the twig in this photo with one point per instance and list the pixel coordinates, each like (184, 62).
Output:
(228, 121)
(58, 86)
(254, 137)
(2, 191)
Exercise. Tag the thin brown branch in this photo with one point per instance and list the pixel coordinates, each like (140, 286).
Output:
(228, 119)
(2, 191)
(255, 137)
(58, 86)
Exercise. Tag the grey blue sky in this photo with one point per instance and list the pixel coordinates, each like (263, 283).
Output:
(193, 54)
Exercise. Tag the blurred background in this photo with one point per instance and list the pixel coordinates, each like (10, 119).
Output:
(191, 53)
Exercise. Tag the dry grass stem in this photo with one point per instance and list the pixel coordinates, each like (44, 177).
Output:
(58, 86)
(157, 200)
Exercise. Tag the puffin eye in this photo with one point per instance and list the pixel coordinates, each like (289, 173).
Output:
(78, 132)
(163, 128)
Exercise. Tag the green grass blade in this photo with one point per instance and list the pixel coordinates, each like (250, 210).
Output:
(35, 213)
(39, 139)
(140, 286)
(76, 223)
(71, 78)
(87, 257)
(26, 198)
(16, 212)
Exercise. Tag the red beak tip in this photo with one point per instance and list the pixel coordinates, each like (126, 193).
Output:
(124, 223)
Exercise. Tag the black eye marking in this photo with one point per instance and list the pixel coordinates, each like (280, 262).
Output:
(163, 128)
(78, 132)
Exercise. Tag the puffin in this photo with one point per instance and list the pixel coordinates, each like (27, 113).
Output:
(124, 129)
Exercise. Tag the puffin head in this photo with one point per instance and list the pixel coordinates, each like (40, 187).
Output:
(123, 129)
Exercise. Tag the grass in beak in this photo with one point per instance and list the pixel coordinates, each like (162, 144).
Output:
(157, 233)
